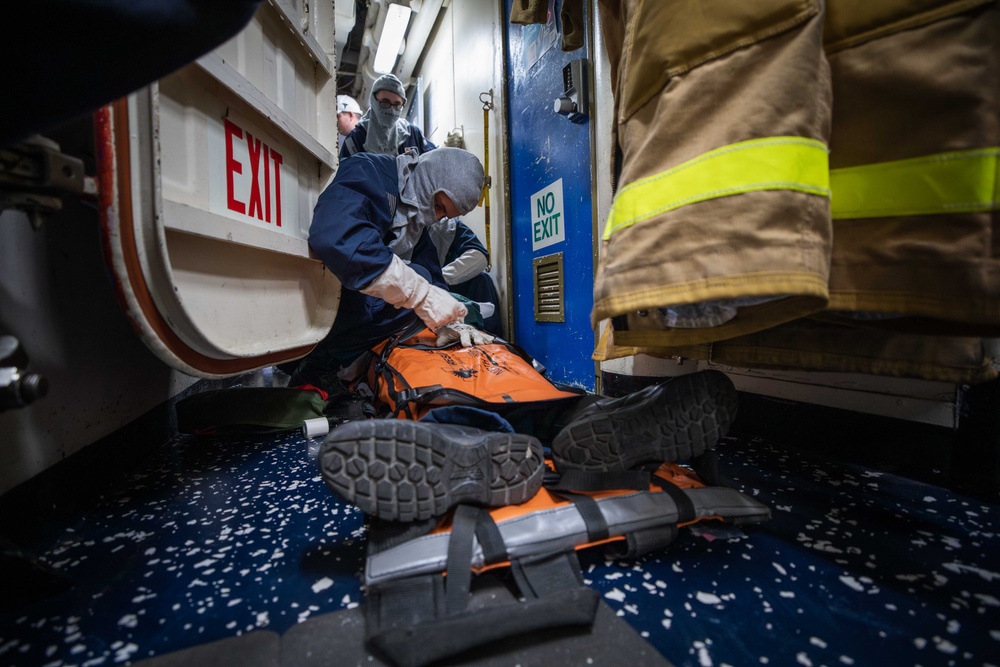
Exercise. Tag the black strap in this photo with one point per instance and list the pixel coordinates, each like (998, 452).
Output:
(403, 603)
(419, 620)
(593, 519)
(423, 643)
(685, 507)
(390, 375)
(641, 542)
(519, 351)
(540, 576)
(418, 394)
(396, 339)
(490, 539)
(384, 370)
(460, 547)
(415, 327)
(706, 466)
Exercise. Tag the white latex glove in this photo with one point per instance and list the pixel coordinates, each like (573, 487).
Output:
(439, 308)
(466, 333)
(405, 288)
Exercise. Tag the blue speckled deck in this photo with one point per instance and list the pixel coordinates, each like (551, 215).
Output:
(215, 538)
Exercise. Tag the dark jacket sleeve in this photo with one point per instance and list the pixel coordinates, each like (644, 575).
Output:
(465, 239)
(352, 221)
(354, 142)
(418, 140)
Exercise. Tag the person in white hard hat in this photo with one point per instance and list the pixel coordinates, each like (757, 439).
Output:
(348, 115)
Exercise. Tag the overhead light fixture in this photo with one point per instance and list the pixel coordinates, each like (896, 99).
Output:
(396, 19)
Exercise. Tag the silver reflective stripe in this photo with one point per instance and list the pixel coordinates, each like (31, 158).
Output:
(561, 528)
(352, 146)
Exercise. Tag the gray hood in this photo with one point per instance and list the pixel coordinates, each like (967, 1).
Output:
(386, 128)
(453, 171)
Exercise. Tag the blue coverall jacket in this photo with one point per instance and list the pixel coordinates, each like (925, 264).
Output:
(355, 142)
(351, 231)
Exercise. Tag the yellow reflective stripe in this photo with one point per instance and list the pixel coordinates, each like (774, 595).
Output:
(955, 182)
(774, 163)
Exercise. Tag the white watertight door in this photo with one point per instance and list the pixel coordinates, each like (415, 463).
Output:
(208, 179)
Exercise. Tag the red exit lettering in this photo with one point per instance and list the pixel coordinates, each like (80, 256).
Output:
(260, 158)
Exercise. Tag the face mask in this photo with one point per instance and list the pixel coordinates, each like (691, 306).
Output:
(386, 129)
(389, 115)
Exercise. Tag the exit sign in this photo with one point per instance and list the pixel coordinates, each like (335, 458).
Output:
(547, 221)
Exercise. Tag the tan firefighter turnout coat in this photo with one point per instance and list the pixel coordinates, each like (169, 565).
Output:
(805, 183)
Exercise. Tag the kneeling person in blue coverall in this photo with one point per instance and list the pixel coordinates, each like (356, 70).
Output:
(370, 227)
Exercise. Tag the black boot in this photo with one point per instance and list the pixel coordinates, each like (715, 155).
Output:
(401, 470)
(673, 421)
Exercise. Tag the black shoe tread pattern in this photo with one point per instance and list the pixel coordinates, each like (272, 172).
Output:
(400, 470)
(673, 421)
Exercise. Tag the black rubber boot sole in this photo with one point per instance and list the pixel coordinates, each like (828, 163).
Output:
(409, 471)
(673, 421)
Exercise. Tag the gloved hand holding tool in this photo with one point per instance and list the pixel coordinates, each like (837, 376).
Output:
(405, 288)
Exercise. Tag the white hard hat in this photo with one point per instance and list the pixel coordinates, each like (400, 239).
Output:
(347, 103)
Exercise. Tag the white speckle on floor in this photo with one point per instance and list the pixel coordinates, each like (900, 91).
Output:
(322, 584)
(960, 568)
(616, 595)
(852, 582)
(944, 646)
(707, 598)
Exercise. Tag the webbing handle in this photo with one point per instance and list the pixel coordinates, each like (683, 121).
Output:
(424, 643)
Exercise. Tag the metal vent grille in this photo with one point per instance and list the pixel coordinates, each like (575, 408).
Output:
(549, 303)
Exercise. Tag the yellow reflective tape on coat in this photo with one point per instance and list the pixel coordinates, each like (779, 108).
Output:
(954, 182)
(774, 163)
